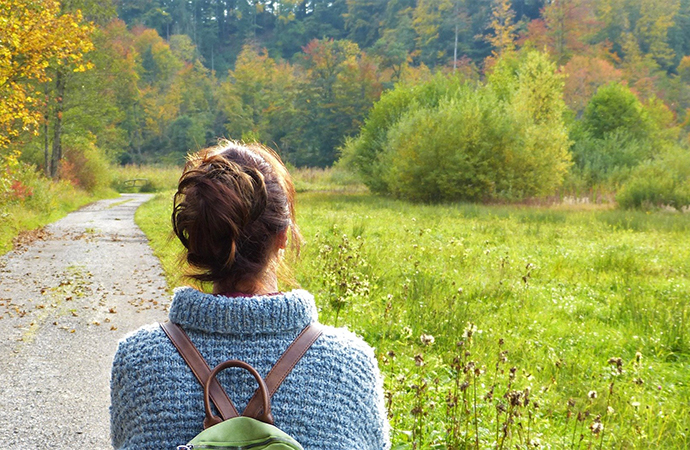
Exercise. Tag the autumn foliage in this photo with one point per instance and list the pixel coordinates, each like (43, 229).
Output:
(34, 34)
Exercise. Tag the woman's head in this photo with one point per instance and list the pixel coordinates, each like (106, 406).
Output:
(233, 209)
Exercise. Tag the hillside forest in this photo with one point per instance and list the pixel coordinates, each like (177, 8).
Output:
(518, 99)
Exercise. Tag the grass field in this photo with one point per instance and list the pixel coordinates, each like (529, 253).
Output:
(503, 327)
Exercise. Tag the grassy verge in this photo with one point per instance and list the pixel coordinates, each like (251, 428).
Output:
(503, 327)
(153, 217)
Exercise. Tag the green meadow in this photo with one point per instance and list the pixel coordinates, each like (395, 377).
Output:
(502, 326)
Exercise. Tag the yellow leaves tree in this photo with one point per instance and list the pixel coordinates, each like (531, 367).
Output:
(503, 27)
(33, 34)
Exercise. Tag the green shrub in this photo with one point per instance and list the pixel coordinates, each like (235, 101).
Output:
(661, 182)
(615, 107)
(451, 152)
(602, 161)
(617, 133)
(362, 153)
(442, 141)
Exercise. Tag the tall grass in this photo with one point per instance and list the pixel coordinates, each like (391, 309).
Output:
(504, 327)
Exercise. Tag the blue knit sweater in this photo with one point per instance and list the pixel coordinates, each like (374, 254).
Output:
(333, 398)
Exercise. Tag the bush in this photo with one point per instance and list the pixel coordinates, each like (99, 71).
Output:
(603, 161)
(661, 182)
(363, 152)
(615, 107)
(617, 133)
(84, 165)
(442, 141)
(452, 152)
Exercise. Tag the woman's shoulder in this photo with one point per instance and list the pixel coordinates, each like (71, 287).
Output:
(145, 340)
(345, 348)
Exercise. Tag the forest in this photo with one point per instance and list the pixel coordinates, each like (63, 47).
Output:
(147, 81)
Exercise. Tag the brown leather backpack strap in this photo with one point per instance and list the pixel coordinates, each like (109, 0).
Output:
(284, 366)
(200, 368)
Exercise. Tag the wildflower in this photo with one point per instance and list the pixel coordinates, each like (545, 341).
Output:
(500, 407)
(514, 397)
(638, 381)
(635, 404)
(571, 402)
(618, 363)
(418, 360)
(638, 357)
(592, 394)
(391, 354)
(610, 410)
(596, 427)
(427, 339)
(469, 330)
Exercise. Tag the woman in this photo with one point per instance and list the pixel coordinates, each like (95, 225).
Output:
(233, 212)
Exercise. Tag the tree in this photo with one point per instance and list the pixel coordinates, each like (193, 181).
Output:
(431, 28)
(65, 68)
(615, 107)
(569, 24)
(32, 35)
(656, 18)
(504, 34)
(339, 83)
(584, 75)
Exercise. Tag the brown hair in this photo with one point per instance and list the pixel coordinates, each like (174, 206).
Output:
(231, 204)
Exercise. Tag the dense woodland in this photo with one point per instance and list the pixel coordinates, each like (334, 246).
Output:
(149, 80)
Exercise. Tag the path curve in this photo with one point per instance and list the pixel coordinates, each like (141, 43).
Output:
(65, 301)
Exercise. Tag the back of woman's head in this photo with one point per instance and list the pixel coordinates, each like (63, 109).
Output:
(233, 206)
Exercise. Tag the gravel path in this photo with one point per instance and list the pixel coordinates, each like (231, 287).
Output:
(65, 300)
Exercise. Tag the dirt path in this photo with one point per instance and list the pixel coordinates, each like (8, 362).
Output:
(65, 301)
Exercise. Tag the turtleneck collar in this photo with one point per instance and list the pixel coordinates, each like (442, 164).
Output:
(242, 315)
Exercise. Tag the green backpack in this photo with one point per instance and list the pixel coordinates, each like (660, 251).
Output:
(254, 429)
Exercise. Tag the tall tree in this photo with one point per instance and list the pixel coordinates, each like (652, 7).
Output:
(32, 35)
(503, 28)
(65, 68)
(570, 25)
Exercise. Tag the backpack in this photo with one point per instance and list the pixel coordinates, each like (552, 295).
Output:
(253, 429)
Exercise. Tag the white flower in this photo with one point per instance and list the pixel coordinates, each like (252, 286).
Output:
(427, 339)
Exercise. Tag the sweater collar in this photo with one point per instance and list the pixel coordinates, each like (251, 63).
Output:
(277, 313)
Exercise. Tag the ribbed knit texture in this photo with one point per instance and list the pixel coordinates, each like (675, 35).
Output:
(333, 398)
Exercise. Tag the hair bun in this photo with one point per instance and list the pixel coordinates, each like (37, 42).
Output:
(231, 205)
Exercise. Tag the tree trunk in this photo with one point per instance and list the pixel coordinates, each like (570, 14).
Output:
(57, 132)
(46, 152)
